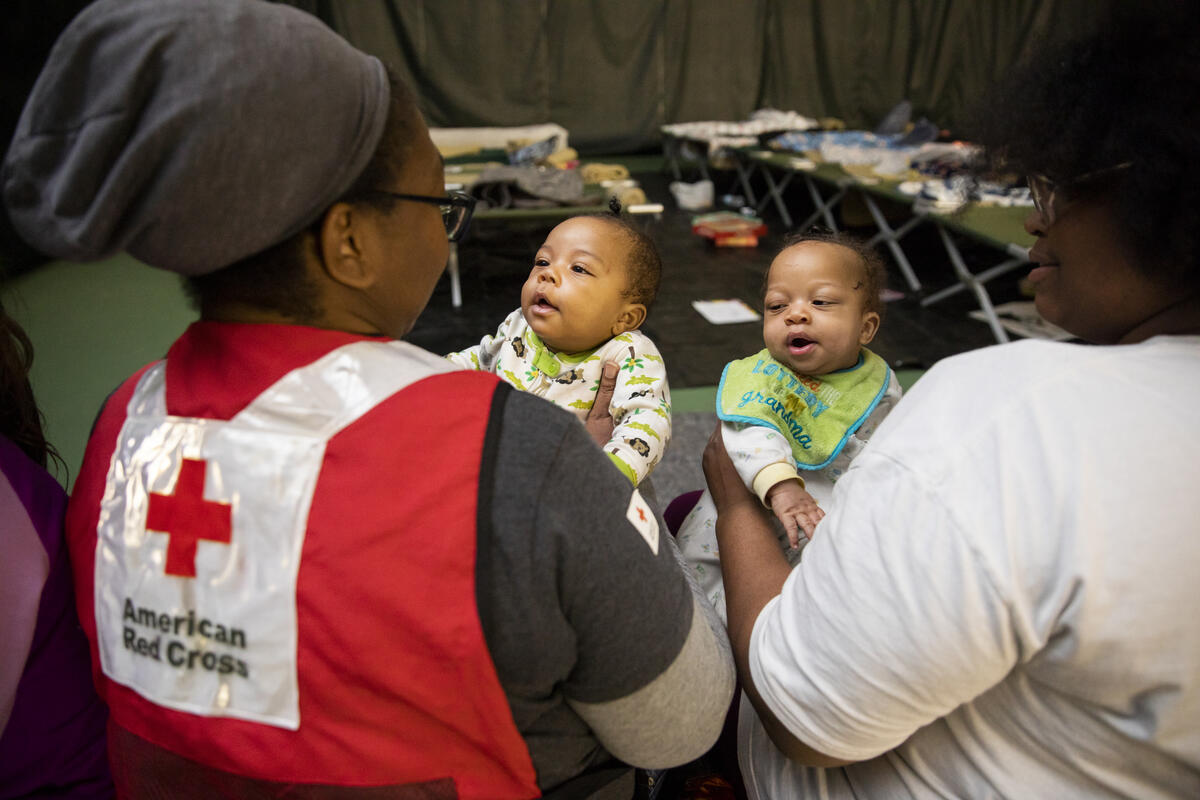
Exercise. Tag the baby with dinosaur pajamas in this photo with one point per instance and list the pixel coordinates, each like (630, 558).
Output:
(591, 285)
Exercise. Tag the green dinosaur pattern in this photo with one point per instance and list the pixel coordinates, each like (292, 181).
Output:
(644, 428)
(640, 406)
(514, 380)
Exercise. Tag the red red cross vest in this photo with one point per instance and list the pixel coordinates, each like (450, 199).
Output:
(288, 594)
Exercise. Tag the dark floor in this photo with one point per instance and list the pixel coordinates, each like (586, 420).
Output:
(496, 256)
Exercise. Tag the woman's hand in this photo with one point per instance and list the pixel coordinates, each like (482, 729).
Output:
(724, 483)
(755, 570)
(599, 421)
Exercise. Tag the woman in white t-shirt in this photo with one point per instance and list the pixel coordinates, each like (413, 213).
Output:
(998, 603)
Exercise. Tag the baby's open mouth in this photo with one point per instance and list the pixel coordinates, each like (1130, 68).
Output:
(798, 342)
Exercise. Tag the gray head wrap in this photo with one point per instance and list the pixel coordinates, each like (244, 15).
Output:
(192, 133)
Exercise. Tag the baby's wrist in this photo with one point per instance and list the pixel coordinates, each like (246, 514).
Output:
(771, 476)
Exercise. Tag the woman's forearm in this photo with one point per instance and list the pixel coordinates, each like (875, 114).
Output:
(754, 570)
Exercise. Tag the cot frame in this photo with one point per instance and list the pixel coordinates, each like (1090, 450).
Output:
(548, 214)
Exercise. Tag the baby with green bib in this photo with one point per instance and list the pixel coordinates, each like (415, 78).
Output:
(797, 412)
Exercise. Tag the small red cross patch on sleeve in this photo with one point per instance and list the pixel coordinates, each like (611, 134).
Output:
(186, 518)
(643, 520)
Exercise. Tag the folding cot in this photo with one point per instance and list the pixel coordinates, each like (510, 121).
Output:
(469, 151)
(512, 215)
(700, 142)
(827, 183)
(464, 176)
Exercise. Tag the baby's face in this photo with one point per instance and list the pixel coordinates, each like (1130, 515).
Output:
(813, 311)
(574, 298)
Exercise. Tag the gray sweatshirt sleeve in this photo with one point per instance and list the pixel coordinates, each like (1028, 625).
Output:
(604, 647)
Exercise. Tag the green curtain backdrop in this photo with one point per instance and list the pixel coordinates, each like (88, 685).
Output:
(613, 71)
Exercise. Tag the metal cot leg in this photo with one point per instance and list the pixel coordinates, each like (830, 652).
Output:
(974, 283)
(892, 238)
(775, 192)
(824, 206)
(745, 171)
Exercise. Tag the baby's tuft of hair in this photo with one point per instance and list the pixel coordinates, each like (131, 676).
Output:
(643, 265)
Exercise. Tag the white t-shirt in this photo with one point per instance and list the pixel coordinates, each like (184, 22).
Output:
(1001, 601)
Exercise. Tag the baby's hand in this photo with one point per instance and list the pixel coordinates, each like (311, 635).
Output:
(795, 509)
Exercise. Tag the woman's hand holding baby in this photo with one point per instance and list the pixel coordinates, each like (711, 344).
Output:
(599, 422)
(724, 483)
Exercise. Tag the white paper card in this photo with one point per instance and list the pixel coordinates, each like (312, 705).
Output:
(724, 312)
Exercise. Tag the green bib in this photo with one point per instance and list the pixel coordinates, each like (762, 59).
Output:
(815, 414)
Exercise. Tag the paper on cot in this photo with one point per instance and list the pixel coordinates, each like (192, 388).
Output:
(724, 312)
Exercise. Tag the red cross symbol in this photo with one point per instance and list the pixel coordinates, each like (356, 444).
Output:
(186, 518)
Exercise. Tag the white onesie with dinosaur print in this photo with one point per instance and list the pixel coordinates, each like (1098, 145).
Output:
(641, 402)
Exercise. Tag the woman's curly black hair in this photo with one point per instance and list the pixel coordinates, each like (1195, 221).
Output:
(1128, 93)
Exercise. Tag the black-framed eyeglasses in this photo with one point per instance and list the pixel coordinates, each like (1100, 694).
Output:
(457, 209)
(1043, 190)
